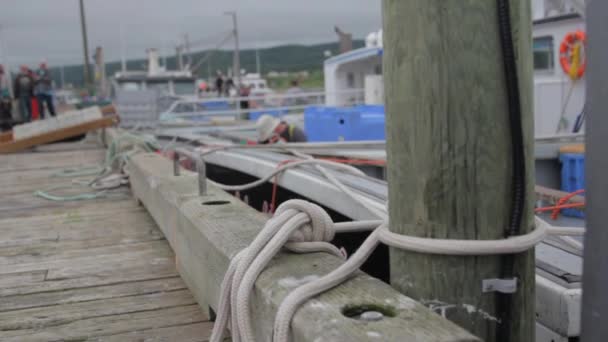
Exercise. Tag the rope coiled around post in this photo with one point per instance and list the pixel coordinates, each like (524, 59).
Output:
(303, 227)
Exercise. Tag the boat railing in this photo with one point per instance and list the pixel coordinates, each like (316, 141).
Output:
(240, 107)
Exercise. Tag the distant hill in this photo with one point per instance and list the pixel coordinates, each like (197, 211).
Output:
(280, 58)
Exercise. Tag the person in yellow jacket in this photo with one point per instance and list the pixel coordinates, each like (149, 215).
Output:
(272, 130)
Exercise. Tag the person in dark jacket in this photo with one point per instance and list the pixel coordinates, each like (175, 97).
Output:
(272, 130)
(44, 90)
(219, 84)
(24, 92)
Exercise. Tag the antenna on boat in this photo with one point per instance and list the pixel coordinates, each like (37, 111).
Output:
(123, 48)
(236, 68)
(85, 46)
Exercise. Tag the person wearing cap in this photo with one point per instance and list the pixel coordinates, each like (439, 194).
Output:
(272, 130)
(24, 92)
(44, 90)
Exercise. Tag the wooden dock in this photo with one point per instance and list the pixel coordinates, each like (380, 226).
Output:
(97, 270)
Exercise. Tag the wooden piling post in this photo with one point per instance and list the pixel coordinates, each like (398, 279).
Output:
(449, 155)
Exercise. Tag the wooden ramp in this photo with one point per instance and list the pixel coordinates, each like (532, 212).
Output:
(95, 270)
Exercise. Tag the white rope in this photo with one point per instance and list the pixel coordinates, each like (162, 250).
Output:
(304, 227)
(338, 166)
(298, 225)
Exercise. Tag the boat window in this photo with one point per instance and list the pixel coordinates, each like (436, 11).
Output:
(350, 80)
(162, 87)
(129, 86)
(184, 108)
(543, 54)
(183, 88)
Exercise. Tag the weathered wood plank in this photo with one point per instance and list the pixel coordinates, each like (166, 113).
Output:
(27, 205)
(45, 237)
(95, 257)
(66, 313)
(120, 290)
(198, 332)
(17, 207)
(8, 280)
(205, 237)
(57, 135)
(78, 277)
(57, 160)
(83, 329)
(86, 269)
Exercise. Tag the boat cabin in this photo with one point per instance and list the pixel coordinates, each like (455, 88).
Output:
(558, 98)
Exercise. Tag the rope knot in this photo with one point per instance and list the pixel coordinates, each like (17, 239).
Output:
(320, 228)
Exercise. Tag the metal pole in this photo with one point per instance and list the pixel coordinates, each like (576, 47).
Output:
(201, 168)
(178, 54)
(85, 46)
(236, 67)
(258, 65)
(62, 76)
(595, 277)
(176, 163)
(187, 47)
(123, 48)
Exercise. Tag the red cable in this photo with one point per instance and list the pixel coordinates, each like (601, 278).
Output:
(563, 201)
(561, 204)
(559, 207)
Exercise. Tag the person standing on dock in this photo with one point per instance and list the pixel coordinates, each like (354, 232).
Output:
(219, 84)
(24, 92)
(293, 91)
(4, 91)
(6, 106)
(44, 90)
(272, 130)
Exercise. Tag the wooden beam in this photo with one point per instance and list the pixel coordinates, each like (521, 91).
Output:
(206, 232)
(6, 136)
(449, 154)
(57, 135)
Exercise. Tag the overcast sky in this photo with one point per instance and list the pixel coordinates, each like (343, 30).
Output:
(33, 30)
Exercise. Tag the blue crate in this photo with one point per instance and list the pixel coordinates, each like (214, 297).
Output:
(254, 115)
(344, 123)
(325, 123)
(573, 178)
(371, 109)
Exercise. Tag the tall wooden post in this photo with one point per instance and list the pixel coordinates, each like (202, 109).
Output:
(449, 155)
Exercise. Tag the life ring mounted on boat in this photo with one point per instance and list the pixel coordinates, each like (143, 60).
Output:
(571, 54)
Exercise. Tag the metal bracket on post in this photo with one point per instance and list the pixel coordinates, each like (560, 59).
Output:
(175, 163)
(202, 176)
(201, 168)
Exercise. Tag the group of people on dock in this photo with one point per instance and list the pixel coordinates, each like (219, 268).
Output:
(29, 87)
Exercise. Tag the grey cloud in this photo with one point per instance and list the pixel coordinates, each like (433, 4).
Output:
(33, 30)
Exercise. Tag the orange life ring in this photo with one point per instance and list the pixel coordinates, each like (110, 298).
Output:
(569, 54)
